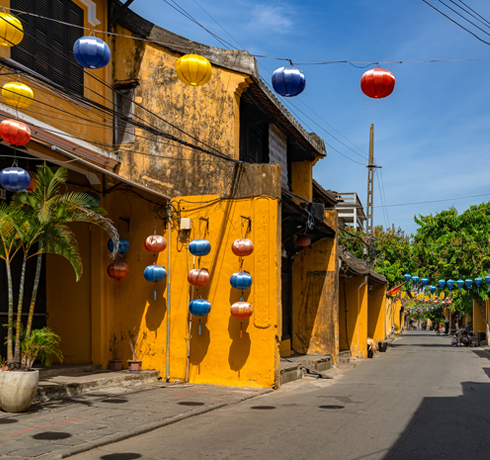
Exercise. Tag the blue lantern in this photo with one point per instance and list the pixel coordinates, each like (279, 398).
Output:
(450, 284)
(441, 284)
(123, 246)
(478, 282)
(14, 179)
(415, 280)
(154, 274)
(91, 52)
(468, 284)
(460, 283)
(487, 279)
(240, 280)
(288, 81)
(199, 247)
(432, 289)
(199, 307)
(424, 282)
(407, 278)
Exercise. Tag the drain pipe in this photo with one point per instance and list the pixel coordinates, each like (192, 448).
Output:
(190, 298)
(169, 224)
(362, 285)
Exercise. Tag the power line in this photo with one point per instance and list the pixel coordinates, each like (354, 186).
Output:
(466, 19)
(475, 16)
(460, 1)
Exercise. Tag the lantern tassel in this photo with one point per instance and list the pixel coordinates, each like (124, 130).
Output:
(240, 329)
(155, 292)
(199, 327)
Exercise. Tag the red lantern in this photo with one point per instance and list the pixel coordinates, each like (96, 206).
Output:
(198, 277)
(155, 243)
(14, 132)
(118, 271)
(242, 247)
(377, 83)
(303, 241)
(32, 184)
(241, 310)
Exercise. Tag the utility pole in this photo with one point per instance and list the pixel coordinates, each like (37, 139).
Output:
(370, 197)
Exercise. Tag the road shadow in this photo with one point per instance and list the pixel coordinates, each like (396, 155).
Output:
(440, 424)
(121, 456)
(482, 353)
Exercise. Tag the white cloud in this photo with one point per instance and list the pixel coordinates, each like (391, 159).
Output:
(272, 18)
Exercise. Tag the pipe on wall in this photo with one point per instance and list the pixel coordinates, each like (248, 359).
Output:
(169, 225)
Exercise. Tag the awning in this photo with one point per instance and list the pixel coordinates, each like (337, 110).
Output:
(352, 266)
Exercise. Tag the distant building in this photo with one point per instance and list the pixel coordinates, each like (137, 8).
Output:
(351, 211)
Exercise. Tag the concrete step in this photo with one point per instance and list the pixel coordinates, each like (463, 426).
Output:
(319, 363)
(65, 386)
(290, 371)
(345, 356)
(66, 369)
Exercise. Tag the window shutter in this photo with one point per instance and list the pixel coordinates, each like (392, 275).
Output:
(20, 52)
(74, 69)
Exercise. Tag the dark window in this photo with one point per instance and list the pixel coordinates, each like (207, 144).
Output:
(47, 47)
(254, 133)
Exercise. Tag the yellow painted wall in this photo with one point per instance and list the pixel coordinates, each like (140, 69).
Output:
(315, 297)
(70, 116)
(302, 179)
(478, 322)
(377, 312)
(353, 323)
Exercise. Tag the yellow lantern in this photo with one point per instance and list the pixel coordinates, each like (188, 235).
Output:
(193, 69)
(17, 95)
(11, 31)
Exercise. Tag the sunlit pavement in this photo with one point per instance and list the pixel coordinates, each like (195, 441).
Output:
(423, 399)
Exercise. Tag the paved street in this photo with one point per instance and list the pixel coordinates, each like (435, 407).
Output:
(421, 400)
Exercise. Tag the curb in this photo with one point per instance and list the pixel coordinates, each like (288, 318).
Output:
(142, 430)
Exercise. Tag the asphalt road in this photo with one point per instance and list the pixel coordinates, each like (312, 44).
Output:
(423, 399)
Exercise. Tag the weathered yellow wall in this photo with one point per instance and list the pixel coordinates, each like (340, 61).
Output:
(377, 312)
(302, 179)
(69, 116)
(478, 322)
(315, 297)
(353, 323)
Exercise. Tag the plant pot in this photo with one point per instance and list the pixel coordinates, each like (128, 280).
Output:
(115, 364)
(17, 390)
(134, 365)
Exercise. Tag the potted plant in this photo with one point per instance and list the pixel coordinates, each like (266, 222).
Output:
(18, 389)
(114, 364)
(137, 345)
(33, 224)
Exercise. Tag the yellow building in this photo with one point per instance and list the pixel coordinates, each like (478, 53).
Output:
(221, 161)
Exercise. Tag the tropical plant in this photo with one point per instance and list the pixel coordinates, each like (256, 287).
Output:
(42, 344)
(36, 223)
(137, 344)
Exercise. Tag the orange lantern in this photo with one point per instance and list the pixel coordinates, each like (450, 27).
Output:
(241, 310)
(118, 271)
(303, 241)
(32, 183)
(15, 132)
(155, 243)
(198, 277)
(377, 83)
(242, 247)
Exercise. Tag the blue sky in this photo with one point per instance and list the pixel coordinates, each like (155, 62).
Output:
(432, 134)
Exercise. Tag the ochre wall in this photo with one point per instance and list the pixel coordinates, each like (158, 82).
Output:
(377, 312)
(355, 328)
(68, 115)
(478, 322)
(302, 179)
(315, 297)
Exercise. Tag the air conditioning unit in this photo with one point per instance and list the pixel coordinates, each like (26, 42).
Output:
(318, 211)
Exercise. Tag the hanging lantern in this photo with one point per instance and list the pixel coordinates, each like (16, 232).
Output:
(468, 284)
(450, 284)
(154, 274)
(241, 280)
(17, 95)
(377, 83)
(199, 307)
(123, 246)
(441, 284)
(460, 283)
(303, 241)
(200, 247)
(242, 247)
(14, 179)
(198, 277)
(487, 280)
(241, 310)
(94, 200)
(92, 52)
(193, 69)
(424, 282)
(436, 302)
(155, 243)
(288, 81)
(15, 132)
(118, 271)
(415, 280)
(32, 182)
(478, 282)
(407, 278)
(11, 30)
(432, 289)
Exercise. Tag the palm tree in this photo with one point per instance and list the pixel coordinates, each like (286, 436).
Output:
(37, 224)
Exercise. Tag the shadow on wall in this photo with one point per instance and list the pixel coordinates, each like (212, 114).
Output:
(156, 311)
(447, 427)
(199, 342)
(240, 347)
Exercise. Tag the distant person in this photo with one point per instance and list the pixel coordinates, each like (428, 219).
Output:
(446, 326)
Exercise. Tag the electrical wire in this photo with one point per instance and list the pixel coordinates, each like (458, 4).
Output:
(475, 16)
(433, 201)
(466, 19)
(460, 1)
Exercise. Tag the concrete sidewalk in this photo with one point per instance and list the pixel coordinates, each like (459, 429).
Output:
(61, 428)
